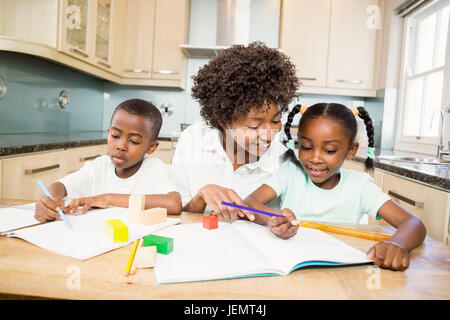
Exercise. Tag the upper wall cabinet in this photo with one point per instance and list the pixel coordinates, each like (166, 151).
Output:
(333, 43)
(154, 55)
(85, 31)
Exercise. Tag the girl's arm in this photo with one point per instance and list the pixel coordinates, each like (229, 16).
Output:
(282, 227)
(394, 253)
(171, 201)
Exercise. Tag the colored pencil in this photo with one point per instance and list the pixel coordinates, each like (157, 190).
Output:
(61, 214)
(319, 226)
(131, 257)
(270, 214)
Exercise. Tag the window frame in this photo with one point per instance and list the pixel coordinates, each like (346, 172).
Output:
(425, 145)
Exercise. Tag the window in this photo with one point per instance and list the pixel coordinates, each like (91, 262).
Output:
(424, 87)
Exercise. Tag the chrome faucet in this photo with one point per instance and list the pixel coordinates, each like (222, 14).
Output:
(441, 151)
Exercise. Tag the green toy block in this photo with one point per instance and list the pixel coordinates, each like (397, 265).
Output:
(163, 245)
(116, 230)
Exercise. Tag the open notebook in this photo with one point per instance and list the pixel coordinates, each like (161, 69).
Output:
(87, 238)
(245, 249)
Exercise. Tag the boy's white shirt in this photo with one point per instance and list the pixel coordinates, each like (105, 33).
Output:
(98, 177)
(200, 159)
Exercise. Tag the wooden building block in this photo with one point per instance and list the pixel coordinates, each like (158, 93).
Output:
(116, 230)
(210, 222)
(145, 257)
(163, 245)
(153, 216)
(136, 203)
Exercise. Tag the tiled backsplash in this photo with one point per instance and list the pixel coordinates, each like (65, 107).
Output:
(31, 103)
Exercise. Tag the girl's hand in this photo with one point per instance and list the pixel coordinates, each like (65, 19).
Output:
(389, 255)
(100, 201)
(284, 228)
(46, 208)
(213, 195)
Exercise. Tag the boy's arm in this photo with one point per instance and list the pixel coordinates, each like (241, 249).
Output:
(46, 207)
(171, 201)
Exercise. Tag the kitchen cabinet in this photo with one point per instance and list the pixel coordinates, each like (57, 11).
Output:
(30, 21)
(304, 32)
(333, 43)
(20, 174)
(155, 56)
(78, 156)
(85, 31)
(430, 205)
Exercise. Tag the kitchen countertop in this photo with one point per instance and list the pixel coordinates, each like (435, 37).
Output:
(11, 144)
(436, 176)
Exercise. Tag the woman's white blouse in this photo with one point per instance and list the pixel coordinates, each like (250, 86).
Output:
(200, 159)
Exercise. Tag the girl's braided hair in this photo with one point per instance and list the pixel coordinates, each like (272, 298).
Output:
(339, 113)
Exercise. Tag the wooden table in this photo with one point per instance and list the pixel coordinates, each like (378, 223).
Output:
(27, 270)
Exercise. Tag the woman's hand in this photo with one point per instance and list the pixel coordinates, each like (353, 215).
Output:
(389, 255)
(100, 201)
(213, 195)
(286, 227)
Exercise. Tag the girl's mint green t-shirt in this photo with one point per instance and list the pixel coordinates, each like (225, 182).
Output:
(356, 194)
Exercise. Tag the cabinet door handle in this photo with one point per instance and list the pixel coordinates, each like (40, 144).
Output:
(405, 199)
(31, 171)
(89, 158)
(306, 78)
(350, 81)
(136, 70)
(84, 54)
(165, 72)
(103, 64)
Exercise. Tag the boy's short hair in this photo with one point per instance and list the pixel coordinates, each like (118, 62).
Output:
(144, 109)
(240, 78)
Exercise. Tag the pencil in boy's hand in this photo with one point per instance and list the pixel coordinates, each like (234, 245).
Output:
(131, 257)
(61, 214)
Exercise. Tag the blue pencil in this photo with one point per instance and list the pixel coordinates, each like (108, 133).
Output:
(50, 196)
(270, 214)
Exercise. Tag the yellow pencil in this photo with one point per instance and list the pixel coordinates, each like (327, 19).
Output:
(350, 232)
(131, 258)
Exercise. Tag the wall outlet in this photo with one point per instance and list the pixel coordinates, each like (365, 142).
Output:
(358, 103)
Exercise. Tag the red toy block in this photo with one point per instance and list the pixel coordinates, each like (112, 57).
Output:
(210, 222)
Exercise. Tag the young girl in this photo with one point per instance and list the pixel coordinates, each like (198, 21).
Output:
(315, 187)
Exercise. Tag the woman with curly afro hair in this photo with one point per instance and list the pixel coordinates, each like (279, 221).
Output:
(242, 94)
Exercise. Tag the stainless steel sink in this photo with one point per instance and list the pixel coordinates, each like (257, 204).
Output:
(421, 160)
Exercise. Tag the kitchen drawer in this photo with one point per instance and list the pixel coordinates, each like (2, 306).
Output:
(164, 152)
(78, 156)
(20, 174)
(428, 204)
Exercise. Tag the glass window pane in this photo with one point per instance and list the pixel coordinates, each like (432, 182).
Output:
(442, 38)
(432, 104)
(76, 23)
(413, 103)
(426, 30)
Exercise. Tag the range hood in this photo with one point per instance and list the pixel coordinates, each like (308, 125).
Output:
(215, 26)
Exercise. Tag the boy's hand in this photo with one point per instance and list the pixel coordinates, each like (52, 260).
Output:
(284, 228)
(46, 208)
(100, 201)
(389, 255)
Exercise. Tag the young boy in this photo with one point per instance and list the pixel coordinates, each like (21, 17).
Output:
(110, 179)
